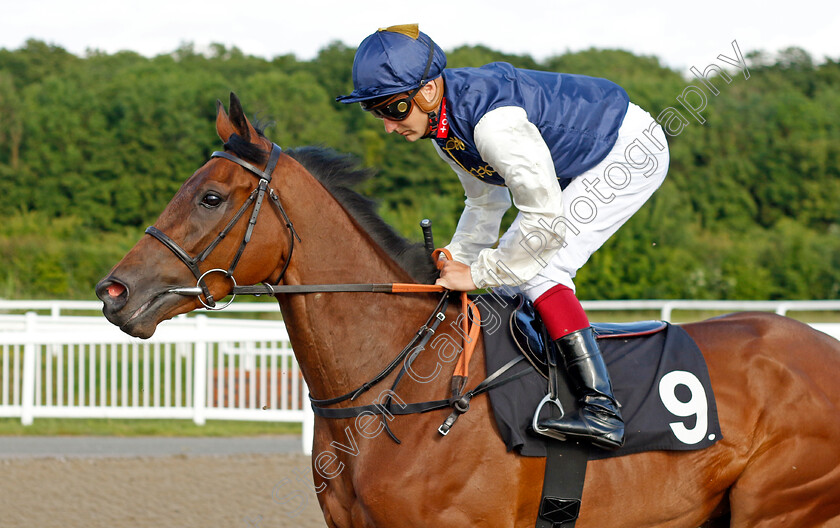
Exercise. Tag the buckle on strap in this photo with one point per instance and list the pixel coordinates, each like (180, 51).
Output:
(459, 407)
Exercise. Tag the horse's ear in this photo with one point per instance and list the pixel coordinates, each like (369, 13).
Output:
(235, 123)
(223, 125)
(240, 123)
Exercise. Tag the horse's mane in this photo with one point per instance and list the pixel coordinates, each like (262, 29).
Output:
(339, 173)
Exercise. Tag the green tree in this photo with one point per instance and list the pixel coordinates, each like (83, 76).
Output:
(92, 148)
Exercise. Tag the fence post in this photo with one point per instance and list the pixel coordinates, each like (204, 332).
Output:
(28, 389)
(200, 371)
(667, 308)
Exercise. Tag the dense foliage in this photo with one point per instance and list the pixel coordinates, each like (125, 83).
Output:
(92, 148)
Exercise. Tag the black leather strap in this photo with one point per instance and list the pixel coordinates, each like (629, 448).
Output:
(565, 470)
(462, 404)
(175, 248)
(265, 178)
(490, 383)
(262, 174)
(377, 409)
(224, 232)
(191, 262)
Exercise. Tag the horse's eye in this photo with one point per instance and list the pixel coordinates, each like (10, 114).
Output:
(211, 199)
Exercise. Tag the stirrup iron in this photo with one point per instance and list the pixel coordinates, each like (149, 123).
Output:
(535, 421)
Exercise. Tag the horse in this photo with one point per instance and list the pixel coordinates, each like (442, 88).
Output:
(778, 463)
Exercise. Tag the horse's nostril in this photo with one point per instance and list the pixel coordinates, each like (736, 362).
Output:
(113, 293)
(115, 290)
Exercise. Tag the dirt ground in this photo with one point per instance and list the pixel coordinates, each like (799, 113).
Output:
(237, 491)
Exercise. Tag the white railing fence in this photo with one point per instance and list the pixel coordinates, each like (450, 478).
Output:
(200, 367)
(195, 368)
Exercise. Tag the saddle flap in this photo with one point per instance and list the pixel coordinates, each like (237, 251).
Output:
(669, 360)
(528, 333)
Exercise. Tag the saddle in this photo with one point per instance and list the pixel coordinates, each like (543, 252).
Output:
(530, 336)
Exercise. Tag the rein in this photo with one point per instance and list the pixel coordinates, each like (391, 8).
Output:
(470, 318)
(270, 289)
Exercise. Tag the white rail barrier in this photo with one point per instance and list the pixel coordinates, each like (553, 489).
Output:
(199, 368)
(195, 368)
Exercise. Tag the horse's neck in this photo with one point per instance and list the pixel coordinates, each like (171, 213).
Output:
(343, 339)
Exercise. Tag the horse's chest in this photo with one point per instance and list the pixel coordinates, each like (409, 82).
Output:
(369, 486)
(358, 499)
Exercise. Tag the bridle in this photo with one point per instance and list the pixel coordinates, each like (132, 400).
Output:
(460, 399)
(256, 197)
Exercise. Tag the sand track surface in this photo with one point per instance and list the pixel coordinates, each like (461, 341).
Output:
(177, 491)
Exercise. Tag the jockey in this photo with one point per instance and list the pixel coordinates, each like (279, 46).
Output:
(574, 155)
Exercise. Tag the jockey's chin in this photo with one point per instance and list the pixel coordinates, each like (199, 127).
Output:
(412, 128)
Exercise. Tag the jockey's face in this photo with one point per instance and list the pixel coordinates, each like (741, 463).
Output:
(416, 125)
(412, 128)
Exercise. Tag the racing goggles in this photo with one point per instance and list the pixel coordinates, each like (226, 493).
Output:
(395, 107)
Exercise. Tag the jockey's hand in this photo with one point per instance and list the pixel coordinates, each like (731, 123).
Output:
(455, 276)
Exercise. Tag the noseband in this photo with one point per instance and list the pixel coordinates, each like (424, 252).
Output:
(256, 197)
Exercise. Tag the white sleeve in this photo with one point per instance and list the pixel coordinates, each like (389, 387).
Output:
(484, 207)
(515, 148)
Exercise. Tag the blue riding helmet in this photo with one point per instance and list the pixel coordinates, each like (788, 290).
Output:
(393, 60)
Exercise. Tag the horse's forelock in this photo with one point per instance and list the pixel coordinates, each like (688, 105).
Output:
(246, 150)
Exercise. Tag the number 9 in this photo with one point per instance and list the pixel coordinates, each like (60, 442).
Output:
(696, 405)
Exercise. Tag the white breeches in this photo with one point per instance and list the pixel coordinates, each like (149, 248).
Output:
(602, 199)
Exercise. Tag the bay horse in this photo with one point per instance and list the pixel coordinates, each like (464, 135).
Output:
(775, 379)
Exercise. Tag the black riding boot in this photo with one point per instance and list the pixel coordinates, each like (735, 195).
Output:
(598, 419)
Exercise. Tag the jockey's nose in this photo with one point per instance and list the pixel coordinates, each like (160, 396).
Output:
(390, 125)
